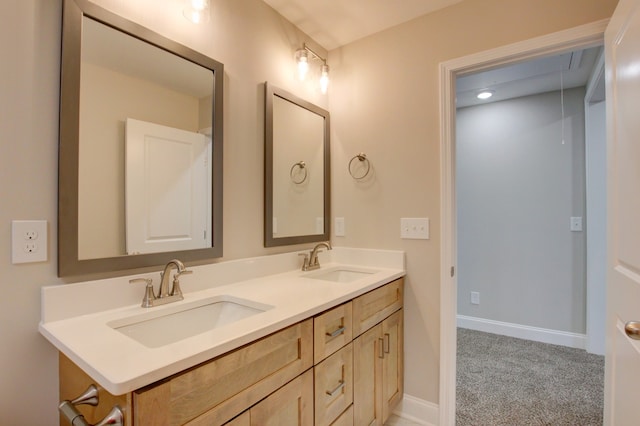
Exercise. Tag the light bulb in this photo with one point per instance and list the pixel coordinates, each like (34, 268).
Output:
(324, 79)
(196, 11)
(485, 94)
(303, 63)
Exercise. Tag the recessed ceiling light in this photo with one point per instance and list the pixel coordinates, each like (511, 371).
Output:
(485, 94)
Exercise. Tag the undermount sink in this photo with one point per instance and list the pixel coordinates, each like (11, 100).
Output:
(172, 324)
(340, 274)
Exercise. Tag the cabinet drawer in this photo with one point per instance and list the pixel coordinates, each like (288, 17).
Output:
(371, 308)
(219, 390)
(345, 419)
(291, 405)
(333, 386)
(331, 331)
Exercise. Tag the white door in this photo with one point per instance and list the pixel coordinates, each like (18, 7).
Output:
(622, 373)
(167, 191)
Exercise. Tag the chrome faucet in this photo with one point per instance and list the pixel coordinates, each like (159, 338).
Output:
(311, 260)
(164, 295)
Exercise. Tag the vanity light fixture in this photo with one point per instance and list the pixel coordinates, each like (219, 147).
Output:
(485, 94)
(302, 60)
(196, 11)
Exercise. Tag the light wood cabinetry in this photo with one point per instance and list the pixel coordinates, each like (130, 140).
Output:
(311, 373)
(331, 331)
(333, 386)
(378, 359)
(219, 390)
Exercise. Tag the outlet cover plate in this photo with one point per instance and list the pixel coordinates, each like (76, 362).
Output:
(28, 241)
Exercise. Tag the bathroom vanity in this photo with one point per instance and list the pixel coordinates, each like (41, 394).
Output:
(324, 348)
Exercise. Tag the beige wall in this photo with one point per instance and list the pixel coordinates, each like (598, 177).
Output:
(384, 101)
(254, 43)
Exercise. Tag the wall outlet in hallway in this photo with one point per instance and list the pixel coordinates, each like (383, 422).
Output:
(475, 298)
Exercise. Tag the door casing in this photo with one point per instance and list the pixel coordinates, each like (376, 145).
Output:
(580, 37)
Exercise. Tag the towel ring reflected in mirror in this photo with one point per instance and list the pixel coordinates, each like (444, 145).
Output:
(298, 172)
(364, 165)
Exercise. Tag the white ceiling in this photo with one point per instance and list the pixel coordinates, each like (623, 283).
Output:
(334, 23)
(541, 75)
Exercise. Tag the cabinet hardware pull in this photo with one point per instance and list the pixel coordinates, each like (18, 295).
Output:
(386, 343)
(336, 332)
(337, 388)
(380, 348)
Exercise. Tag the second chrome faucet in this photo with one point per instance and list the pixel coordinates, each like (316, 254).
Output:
(164, 295)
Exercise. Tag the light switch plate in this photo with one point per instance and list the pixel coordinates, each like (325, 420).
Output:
(416, 228)
(28, 241)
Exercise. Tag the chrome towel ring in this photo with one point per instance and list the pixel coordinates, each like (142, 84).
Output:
(297, 170)
(364, 164)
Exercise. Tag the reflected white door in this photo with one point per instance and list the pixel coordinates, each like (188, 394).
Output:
(167, 195)
(622, 377)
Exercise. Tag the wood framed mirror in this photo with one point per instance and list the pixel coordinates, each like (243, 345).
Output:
(140, 150)
(297, 170)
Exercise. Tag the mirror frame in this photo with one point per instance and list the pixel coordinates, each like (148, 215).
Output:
(69, 263)
(269, 241)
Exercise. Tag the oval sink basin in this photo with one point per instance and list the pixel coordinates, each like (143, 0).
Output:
(340, 275)
(159, 328)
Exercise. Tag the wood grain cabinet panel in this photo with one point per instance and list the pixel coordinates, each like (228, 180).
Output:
(219, 390)
(331, 331)
(374, 306)
(378, 371)
(291, 405)
(333, 386)
(345, 419)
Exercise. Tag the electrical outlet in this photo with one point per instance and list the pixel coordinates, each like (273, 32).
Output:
(29, 241)
(475, 298)
(339, 226)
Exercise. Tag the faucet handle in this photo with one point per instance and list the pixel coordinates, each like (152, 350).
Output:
(175, 288)
(149, 295)
(305, 262)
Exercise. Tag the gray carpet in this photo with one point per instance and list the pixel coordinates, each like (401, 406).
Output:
(507, 381)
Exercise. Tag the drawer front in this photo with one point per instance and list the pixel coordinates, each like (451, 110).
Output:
(371, 308)
(219, 390)
(345, 419)
(291, 405)
(331, 331)
(333, 386)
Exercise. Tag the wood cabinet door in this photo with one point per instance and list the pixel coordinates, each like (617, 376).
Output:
(367, 378)
(392, 363)
(291, 405)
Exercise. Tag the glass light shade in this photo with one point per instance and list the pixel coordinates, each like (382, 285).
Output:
(324, 78)
(485, 94)
(303, 63)
(196, 11)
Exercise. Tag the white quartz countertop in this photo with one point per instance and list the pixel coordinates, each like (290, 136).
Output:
(121, 364)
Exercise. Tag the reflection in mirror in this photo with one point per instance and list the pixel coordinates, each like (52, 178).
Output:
(140, 147)
(296, 170)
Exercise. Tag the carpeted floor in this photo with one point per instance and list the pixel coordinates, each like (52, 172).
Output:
(507, 381)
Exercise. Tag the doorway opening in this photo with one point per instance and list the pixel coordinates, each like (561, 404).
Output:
(574, 39)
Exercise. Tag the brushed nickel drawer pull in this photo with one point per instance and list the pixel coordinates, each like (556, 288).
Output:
(338, 331)
(337, 389)
(380, 348)
(632, 329)
(386, 343)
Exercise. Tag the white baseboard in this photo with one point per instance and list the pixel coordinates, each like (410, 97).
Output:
(544, 335)
(418, 411)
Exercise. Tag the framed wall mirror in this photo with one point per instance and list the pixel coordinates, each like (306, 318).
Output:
(140, 156)
(297, 170)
